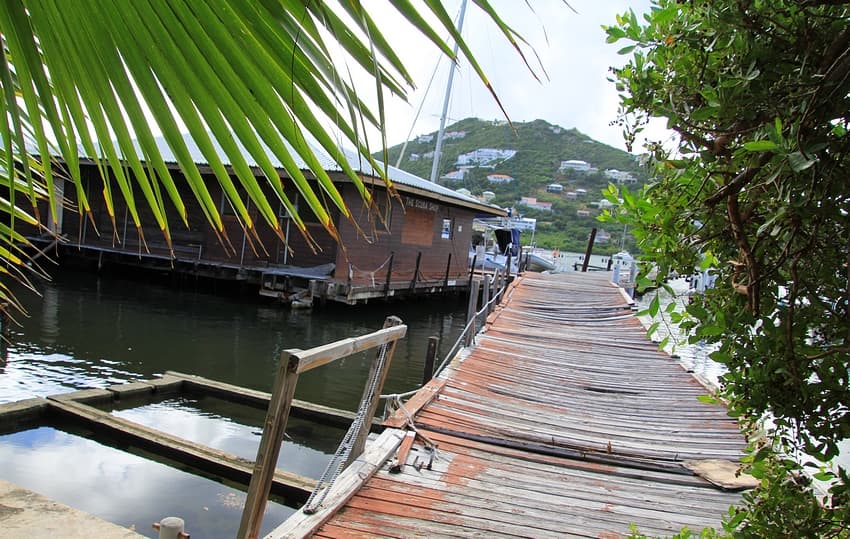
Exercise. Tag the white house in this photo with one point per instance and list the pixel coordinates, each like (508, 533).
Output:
(499, 178)
(533, 203)
(484, 156)
(620, 176)
(455, 175)
(575, 164)
(425, 138)
(555, 188)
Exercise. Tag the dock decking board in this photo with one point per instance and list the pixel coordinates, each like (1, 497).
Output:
(563, 420)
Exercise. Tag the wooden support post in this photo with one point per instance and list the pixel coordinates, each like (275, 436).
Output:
(448, 267)
(416, 271)
(485, 295)
(430, 355)
(472, 271)
(350, 275)
(374, 393)
(267, 453)
(589, 249)
(389, 274)
(471, 310)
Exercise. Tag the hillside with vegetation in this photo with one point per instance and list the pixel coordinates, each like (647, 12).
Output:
(535, 171)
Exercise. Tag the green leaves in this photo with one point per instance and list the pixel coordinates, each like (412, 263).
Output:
(755, 192)
(251, 82)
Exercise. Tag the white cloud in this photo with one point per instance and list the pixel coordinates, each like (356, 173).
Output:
(571, 47)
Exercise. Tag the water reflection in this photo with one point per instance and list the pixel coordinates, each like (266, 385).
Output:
(110, 483)
(89, 332)
(236, 429)
(86, 332)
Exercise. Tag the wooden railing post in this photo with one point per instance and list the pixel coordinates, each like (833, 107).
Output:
(374, 393)
(430, 356)
(485, 296)
(589, 249)
(416, 271)
(389, 274)
(269, 450)
(471, 310)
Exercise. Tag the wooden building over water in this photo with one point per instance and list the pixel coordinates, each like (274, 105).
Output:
(420, 247)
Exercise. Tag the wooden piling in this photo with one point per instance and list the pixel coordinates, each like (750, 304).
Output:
(416, 271)
(471, 310)
(430, 355)
(389, 274)
(589, 249)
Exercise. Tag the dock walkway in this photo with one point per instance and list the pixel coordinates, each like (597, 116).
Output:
(562, 420)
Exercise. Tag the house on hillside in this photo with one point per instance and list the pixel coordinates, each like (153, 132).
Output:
(455, 175)
(420, 244)
(499, 178)
(621, 177)
(533, 203)
(484, 156)
(575, 164)
(555, 188)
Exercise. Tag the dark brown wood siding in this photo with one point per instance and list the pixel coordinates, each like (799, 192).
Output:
(198, 240)
(415, 231)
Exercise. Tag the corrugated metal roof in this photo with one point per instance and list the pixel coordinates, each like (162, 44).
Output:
(397, 175)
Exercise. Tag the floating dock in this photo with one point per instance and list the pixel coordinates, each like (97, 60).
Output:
(563, 420)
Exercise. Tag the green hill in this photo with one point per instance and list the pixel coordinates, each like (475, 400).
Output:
(540, 150)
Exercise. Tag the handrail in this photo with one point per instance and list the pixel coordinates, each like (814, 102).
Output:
(496, 297)
(327, 353)
(292, 363)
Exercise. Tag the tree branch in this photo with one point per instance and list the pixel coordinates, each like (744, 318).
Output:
(739, 181)
(753, 285)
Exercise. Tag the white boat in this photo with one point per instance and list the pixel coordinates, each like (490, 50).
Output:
(535, 262)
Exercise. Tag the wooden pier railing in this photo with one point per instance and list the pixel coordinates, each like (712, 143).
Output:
(293, 363)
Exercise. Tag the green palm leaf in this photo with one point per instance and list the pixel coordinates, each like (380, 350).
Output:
(249, 81)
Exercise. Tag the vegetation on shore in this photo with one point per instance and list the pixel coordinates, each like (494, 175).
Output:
(755, 189)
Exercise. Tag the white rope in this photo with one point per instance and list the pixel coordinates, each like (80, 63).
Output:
(341, 456)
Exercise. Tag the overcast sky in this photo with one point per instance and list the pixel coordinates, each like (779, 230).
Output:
(571, 48)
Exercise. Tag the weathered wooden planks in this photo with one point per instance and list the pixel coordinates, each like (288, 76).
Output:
(562, 421)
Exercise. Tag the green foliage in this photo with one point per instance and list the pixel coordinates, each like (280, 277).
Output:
(540, 149)
(755, 188)
(785, 506)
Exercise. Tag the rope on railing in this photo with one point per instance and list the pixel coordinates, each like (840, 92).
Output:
(340, 458)
(371, 274)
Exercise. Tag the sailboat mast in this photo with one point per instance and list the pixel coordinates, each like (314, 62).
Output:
(439, 148)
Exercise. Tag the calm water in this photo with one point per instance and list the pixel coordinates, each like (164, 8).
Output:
(85, 332)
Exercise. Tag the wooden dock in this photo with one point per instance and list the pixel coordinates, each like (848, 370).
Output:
(562, 420)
